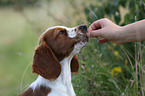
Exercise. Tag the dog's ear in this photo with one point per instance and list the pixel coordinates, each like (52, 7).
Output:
(45, 62)
(74, 64)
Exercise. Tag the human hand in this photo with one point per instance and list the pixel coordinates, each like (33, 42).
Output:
(106, 29)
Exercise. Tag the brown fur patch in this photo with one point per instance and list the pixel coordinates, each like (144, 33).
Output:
(39, 91)
(28, 92)
(45, 63)
(74, 64)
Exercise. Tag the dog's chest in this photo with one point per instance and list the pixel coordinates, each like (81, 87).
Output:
(62, 86)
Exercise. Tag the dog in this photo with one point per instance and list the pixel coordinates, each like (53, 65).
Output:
(54, 60)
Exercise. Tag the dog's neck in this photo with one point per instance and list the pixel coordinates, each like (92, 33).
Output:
(62, 83)
(65, 75)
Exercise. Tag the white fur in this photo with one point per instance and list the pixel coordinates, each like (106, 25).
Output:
(71, 32)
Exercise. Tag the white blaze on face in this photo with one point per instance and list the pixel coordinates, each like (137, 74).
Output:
(71, 32)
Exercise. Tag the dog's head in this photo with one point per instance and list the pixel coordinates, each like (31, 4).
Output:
(55, 44)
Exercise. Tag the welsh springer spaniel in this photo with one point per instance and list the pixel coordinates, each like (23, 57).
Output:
(54, 60)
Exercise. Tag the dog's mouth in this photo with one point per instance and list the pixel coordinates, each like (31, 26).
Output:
(84, 38)
(81, 38)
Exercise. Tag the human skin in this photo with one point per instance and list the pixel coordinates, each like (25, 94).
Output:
(109, 31)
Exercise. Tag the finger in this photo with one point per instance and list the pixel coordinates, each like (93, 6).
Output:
(88, 34)
(102, 40)
(95, 25)
(96, 33)
(90, 29)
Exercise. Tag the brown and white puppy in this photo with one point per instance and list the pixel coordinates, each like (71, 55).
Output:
(55, 59)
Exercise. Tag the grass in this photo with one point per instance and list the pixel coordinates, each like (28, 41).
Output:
(105, 69)
(17, 41)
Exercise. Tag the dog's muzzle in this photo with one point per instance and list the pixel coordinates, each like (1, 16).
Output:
(82, 33)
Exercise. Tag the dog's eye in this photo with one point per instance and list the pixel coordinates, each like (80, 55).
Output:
(62, 32)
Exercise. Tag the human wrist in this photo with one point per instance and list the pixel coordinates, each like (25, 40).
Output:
(120, 32)
(127, 34)
(124, 33)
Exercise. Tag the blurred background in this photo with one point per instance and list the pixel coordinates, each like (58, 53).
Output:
(105, 69)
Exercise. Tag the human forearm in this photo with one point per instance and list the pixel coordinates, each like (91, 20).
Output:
(133, 32)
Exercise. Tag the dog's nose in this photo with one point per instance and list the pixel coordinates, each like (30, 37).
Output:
(83, 27)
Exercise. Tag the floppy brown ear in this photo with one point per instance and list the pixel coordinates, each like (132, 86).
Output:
(45, 63)
(74, 64)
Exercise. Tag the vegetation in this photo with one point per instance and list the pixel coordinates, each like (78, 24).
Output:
(105, 69)
(123, 73)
